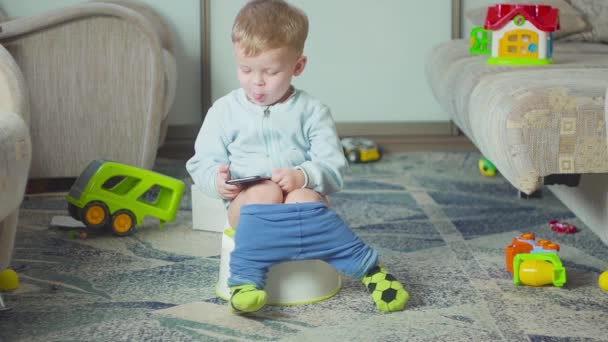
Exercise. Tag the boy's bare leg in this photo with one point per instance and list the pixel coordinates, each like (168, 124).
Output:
(304, 195)
(266, 192)
(247, 298)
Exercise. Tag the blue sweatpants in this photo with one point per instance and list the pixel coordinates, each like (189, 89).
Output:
(268, 234)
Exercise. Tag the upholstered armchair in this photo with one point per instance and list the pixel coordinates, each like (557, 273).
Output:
(15, 152)
(101, 77)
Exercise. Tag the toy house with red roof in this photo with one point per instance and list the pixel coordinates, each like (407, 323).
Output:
(520, 34)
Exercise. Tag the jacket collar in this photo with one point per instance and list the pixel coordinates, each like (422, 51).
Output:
(259, 109)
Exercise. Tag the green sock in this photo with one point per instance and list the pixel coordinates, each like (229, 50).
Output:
(246, 298)
(388, 293)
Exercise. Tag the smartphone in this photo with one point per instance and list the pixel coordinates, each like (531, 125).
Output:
(245, 180)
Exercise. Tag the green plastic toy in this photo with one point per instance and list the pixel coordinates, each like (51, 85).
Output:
(481, 41)
(120, 196)
(486, 167)
(538, 270)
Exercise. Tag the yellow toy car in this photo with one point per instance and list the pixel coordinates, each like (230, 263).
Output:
(360, 150)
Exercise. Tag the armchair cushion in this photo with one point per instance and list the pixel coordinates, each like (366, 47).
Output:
(15, 154)
(15, 151)
(99, 84)
(165, 33)
(13, 92)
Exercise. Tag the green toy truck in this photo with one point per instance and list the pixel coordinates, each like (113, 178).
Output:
(119, 196)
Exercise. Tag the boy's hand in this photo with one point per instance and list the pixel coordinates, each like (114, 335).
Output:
(226, 191)
(288, 179)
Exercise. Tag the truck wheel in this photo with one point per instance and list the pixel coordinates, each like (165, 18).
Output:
(123, 222)
(354, 156)
(95, 214)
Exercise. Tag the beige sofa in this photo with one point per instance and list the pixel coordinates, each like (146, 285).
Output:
(15, 152)
(538, 125)
(101, 78)
(589, 200)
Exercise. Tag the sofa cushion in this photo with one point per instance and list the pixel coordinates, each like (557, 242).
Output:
(453, 72)
(596, 16)
(523, 118)
(533, 123)
(571, 20)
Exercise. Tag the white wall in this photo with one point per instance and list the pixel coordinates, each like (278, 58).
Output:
(365, 58)
(184, 18)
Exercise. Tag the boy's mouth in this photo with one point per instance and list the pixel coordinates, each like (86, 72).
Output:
(258, 97)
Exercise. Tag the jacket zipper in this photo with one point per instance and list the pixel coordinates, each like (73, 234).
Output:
(266, 133)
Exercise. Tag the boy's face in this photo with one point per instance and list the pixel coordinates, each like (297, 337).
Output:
(266, 77)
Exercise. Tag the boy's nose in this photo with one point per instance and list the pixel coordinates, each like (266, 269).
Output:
(258, 80)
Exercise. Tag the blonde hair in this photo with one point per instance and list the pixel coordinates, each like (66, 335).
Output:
(263, 25)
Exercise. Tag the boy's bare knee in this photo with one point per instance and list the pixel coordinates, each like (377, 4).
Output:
(303, 195)
(264, 193)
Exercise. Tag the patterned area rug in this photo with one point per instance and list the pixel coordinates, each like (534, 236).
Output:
(439, 225)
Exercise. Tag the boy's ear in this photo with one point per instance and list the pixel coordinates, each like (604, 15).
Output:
(300, 64)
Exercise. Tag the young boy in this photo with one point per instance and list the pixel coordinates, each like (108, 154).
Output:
(268, 127)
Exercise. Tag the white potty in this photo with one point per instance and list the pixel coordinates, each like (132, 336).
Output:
(288, 283)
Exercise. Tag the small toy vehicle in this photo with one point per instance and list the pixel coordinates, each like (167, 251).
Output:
(486, 167)
(120, 196)
(534, 262)
(562, 227)
(360, 150)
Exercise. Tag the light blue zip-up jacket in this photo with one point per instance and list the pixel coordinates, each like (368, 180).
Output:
(255, 139)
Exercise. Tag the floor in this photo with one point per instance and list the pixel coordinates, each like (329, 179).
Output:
(439, 226)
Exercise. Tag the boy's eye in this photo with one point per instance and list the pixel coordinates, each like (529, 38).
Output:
(272, 72)
(245, 70)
